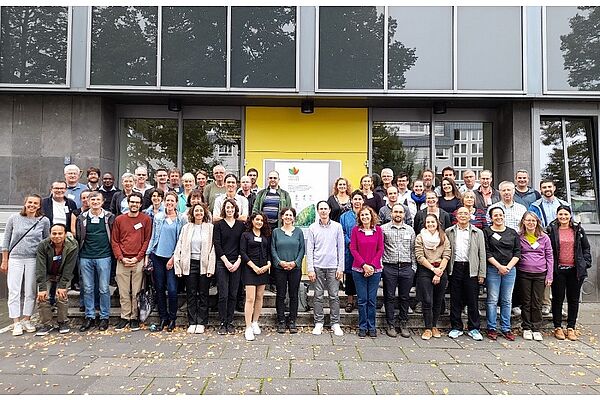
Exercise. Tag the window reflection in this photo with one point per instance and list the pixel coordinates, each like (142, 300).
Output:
(210, 142)
(124, 46)
(33, 45)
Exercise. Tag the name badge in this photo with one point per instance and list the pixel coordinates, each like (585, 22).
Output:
(138, 226)
(258, 239)
(67, 210)
(70, 196)
(95, 220)
(368, 233)
(535, 245)
(370, 196)
(56, 258)
(496, 236)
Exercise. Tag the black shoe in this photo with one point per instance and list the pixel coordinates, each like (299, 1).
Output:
(281, 327)
(63, 327)
(293, 328)
(373, 333)
(81, 308)
(121, 325)
(391, 331)
(222, 330)
(404, 332)
(134, 325)
(87, 325)
(44, 330)
(103, 325)
(362, 333)
(171, 326)
(231, 329)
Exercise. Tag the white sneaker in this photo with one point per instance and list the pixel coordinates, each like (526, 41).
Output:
(538, 336)
(17, 329)
(337, 330)
(199, 329)
(249, 334)
(28, 326)
(191, 329)
(318, 329)
(527, 334)
(255, 328)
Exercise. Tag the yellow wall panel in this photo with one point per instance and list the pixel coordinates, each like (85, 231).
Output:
(327, 134)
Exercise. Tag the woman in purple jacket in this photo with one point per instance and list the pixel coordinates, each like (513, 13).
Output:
(534, 273)
(366, 246)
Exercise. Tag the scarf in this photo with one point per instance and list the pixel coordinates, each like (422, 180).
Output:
(418, 199)
(531, 238)
(430, 242)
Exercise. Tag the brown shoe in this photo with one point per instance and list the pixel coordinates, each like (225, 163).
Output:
(427, 334)
(436, 333)
(571, 334)
(559, 333)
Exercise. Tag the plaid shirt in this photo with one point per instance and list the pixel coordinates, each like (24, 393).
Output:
(398, 244)
(512, 214)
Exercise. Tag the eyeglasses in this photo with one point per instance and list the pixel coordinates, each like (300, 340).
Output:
(59, 188)
(273, 177)
(141, 174)
(134, 202)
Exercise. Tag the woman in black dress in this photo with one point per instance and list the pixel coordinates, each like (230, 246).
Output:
(255, 248)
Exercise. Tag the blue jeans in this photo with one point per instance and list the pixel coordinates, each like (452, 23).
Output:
(499, 290)
(366, 293)
(165, 279)
(95, 275)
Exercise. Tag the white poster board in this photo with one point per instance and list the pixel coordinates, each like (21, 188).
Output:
(307, 182)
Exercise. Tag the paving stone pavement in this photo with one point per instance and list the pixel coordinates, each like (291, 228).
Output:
(171, 363)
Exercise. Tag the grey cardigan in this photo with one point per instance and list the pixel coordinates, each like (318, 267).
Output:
(477, 257)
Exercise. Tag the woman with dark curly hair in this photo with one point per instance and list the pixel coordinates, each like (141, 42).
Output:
(255, 249)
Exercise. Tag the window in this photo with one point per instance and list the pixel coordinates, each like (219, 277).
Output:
(573, 175)
(263, 47)
(572, 57)
(490, 40)
(123, 48)
(194, 46)
(33, 45)
(351, 48)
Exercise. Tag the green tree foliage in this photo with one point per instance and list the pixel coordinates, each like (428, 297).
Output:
(389, 152)
(34, 45)
(581, 49)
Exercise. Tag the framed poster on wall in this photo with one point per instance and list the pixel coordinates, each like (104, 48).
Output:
(307, 181)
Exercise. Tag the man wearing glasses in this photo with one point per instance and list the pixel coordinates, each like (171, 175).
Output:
(141, 176)
(129, 240)
(57, 207)
(271, 200)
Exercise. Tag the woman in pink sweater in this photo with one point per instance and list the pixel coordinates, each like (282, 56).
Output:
(534, 273)
(366, 246)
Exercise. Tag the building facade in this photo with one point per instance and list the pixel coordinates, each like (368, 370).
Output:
(499, 88)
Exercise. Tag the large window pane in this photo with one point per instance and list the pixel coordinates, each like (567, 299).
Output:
(401, 146)
(351, 48)
(572, 57)
(148, 142)
(210, 142)
(420, 55)
(124, 46)
(33, 45)
(579, 167)
(202, 32)
(263, 47)
(490, 55)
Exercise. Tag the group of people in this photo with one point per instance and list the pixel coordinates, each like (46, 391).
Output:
(520, 243)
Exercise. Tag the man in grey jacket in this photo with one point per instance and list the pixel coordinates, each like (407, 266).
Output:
(466, 271)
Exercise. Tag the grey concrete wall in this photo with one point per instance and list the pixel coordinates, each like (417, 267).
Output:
(37, 132)
(512, 140)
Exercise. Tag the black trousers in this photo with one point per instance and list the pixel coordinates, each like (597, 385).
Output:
(531, 289)
(565, 281)
(227, 285)
(287, 282)
(430, 295)
(398, 276)
(464, 290)
(349, 286)
(196, 289)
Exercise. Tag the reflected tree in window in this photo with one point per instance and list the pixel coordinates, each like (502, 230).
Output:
(351, 49)
(149, 142)
(124, 46)
(553, 161)
(390, 152)
(34, 45)
(263, 47)
(202, 32)
(581, 51)
(207, 143)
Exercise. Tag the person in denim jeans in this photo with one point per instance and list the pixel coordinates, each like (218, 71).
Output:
(325, 265)
(92, 230)
(503, 251)
(165, 234)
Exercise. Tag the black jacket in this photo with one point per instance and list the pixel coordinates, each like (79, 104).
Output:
(48, 210)
(583, 256)
(115, 204)
(419, 220)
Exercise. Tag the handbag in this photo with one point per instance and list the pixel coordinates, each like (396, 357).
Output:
(146, 299)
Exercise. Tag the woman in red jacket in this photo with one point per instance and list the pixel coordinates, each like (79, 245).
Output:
(366, 246)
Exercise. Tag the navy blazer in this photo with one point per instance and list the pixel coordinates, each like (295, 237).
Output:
(48, 211)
